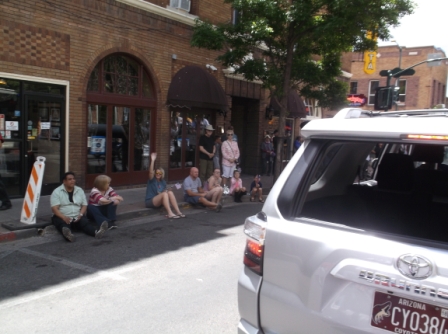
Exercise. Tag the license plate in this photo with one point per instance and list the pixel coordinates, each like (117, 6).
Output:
(407, 316)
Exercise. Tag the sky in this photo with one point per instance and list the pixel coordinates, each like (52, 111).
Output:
(427, 26)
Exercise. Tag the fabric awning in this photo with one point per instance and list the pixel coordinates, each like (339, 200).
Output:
(296, 106)
(192, 87)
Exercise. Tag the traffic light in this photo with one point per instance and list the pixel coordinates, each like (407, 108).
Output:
(396, 97)
(383, 98)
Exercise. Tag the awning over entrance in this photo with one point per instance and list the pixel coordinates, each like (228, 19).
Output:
(296, 106)
(194, 87)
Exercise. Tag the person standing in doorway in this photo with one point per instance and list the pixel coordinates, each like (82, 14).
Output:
(230, 155)
(6, 202)
(217, 156)
(206, 153)
(267, 152)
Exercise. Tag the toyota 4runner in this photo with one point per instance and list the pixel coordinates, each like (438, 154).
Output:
(353, 236)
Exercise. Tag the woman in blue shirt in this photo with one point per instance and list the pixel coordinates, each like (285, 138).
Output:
(157, 193)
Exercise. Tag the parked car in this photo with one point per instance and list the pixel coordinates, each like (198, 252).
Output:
(334, 252)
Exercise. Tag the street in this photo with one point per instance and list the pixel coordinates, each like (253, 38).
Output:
(152, 275)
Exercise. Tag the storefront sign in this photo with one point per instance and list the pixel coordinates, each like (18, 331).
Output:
(45, 125)
(98, 145)
(357, 100)
(12, 126)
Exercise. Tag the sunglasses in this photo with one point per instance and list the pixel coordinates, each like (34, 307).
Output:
(158, 173)
(229, 134)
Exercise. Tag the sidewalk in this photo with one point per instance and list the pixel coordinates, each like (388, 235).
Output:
(132, 207)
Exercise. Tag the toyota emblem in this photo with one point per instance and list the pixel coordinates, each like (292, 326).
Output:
(414, 266)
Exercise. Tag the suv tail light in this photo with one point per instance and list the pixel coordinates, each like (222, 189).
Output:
(253, 254)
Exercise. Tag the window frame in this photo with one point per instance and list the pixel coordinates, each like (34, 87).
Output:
(371, 96)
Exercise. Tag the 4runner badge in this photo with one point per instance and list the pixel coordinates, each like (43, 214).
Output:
(414, 266)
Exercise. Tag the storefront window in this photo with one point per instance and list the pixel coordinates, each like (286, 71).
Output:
(122, 81)
(41, 87)
(96, 139)
(141, 139)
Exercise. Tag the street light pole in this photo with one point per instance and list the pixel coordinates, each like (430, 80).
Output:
(399, 66)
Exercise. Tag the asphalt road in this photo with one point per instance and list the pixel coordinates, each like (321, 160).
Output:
(151, 275)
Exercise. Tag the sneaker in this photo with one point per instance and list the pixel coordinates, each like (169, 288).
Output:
(103, 228)
(67, 233)
(218, 207)
(112, 225)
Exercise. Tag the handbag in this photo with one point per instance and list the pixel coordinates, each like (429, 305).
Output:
(225, 190)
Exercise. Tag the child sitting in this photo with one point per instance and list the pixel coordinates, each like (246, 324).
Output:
(236, 187)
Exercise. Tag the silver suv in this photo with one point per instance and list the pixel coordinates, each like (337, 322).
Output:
(353, 236)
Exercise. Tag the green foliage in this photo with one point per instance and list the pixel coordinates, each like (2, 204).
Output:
(297, 44)
(284, 35)
(334, 96)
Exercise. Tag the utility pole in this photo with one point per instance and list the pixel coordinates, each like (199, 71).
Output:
(397, 88)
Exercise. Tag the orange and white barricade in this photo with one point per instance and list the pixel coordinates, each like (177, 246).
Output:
(32, 196)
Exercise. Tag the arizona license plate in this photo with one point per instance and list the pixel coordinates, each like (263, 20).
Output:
(406, 316)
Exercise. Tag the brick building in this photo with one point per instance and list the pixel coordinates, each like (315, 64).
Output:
(87, 84)
(425, 89)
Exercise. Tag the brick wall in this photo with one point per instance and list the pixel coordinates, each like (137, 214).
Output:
(423, 90)
(65, 39)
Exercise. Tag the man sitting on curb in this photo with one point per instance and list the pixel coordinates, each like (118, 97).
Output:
(69, 205)
(194, 194)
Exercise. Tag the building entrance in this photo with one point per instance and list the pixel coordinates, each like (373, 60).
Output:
(32, 118)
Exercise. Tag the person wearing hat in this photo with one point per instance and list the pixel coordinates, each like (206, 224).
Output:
(267, 152)
(206, 153)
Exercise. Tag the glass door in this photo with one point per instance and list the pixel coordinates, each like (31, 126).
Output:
(186, 129)
(118, 143)
(10, 128)
(44, 133)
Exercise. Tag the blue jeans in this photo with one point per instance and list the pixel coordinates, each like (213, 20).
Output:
(102, 213)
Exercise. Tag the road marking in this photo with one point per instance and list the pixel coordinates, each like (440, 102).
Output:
(72, 264)
(96, 275)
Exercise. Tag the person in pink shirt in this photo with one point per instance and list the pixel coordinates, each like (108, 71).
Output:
(236, 187)
(230, 155)
(103, 201)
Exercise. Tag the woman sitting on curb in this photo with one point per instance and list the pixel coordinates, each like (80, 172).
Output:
(236, 187)
(103, 201)
(157, 194)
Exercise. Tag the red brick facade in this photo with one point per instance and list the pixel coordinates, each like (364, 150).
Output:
(64, 40)
(425, 89)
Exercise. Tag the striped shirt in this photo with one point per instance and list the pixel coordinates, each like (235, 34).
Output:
(96, 196)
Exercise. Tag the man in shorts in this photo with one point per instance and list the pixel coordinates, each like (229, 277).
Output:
(194, 194)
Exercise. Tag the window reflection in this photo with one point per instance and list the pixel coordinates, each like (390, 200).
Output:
(120, 139)
(96, 139)
(186, 127)
(141, 139)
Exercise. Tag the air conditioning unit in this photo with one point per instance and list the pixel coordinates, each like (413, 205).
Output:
(181, 4)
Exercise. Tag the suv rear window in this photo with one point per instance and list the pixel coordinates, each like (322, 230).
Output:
(386, 187)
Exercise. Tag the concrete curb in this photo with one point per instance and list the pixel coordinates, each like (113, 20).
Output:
(34, 230)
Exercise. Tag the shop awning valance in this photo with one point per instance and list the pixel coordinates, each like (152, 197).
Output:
(296, 106)
(193, 87)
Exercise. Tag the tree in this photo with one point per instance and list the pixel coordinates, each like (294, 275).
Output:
(297, 44)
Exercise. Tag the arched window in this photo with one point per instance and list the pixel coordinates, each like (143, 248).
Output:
(120, 114)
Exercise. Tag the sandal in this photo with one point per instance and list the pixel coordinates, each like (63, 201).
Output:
(252, 199)
(261, 200)
(181, 215)
(172, 217)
